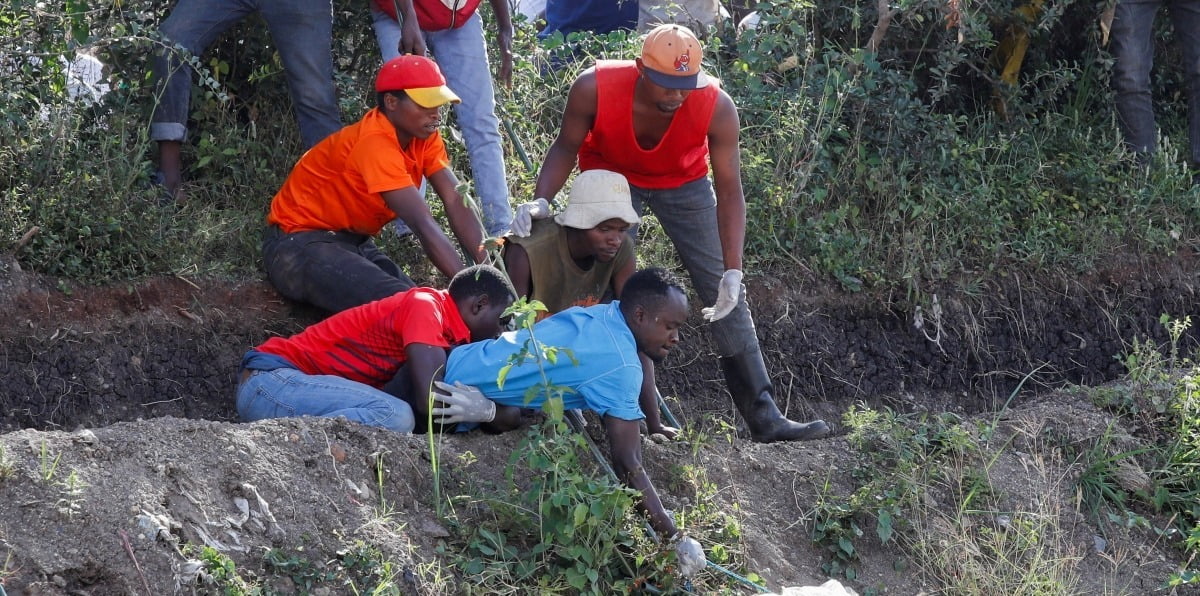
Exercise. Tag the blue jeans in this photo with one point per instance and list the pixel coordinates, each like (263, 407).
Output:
(461, 54)
(1133, 48)
(331, 270)
(287, 393)
(688, 214)
(302, 31)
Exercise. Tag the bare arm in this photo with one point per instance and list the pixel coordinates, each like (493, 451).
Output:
(622, 275)
(727, 180)
(426, 364)
(578, 117)
(406, 203)
(516, 263)
(463, 223)
(648, 400)
(504, 39)
(412, 41)
(507, 418)
(625, 443)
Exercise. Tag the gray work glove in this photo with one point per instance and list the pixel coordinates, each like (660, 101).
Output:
(465, 404)
(728, 293)
(525, 213)
(690, 556)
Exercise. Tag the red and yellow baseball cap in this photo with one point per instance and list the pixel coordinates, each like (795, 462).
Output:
(417, 76)
(671, 56)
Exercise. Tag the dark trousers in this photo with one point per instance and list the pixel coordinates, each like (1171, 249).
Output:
(1133, 48)
(331, 270)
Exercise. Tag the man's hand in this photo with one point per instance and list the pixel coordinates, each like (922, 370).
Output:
(412, 41)
(667, 432)
(466, 404)
(525, 213)
(728, 293)
(690, 556)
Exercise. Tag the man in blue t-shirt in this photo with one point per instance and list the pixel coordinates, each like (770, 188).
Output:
(602, 372)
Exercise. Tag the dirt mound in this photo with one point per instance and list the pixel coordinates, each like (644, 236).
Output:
(119, 421)
(109, 510)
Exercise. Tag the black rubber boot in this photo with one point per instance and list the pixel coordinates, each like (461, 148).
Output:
(748, 383)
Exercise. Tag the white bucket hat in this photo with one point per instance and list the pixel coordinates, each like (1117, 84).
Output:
(598, 196)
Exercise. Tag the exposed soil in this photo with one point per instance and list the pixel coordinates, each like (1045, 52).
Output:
(131, 389)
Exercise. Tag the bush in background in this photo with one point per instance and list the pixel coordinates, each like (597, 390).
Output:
(897, 168)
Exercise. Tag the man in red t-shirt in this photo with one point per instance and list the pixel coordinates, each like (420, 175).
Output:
(375, 363)
(660, 121)
(317, 247)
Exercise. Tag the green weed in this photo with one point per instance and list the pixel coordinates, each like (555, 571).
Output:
(369, 570)
(47, 462)
(564, 523)
(6, 570)
(7, 467)
(220, 574)
(71, 502)
(304, 573)
(898, 454)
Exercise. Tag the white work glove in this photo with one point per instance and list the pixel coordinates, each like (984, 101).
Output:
(728, 292)
(466, 404)
(523, 217)
(690, 556)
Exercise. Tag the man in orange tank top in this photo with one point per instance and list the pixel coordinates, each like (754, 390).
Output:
(661, 122)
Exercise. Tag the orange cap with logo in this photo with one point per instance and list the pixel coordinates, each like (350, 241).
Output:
(671, 56)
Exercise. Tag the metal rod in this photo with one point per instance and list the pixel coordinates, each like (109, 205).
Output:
(516, 141)
(666, 412)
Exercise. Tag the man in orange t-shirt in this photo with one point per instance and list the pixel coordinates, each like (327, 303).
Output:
(317, 247)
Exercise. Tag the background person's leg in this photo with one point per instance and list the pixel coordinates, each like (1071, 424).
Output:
(1133, 49)
(303, 33)
(387, 33)
(1185, 16)
(287, 393)
(193, 25)
(462, 55)
(688, 214)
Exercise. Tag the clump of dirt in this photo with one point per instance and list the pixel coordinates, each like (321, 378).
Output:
(129, 390)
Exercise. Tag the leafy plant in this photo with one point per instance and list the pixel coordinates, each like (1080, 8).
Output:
(221, 575)
(299, 569)
(561, 525)
(370, 572)
(576, 522)
(72, 495)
